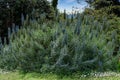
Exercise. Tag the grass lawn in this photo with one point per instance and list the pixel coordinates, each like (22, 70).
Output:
(36, 76)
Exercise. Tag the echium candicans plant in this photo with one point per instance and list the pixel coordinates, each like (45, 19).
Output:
(78, 25)
(55, 47)
(22, 18)
(9, 32)
(1, 45)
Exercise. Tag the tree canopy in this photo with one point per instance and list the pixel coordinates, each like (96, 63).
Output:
(11, 11)
(54, 3)
(110, 6)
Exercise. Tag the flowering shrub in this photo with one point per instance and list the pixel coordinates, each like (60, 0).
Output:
(61, 48)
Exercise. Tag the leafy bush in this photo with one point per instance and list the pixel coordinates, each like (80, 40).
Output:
(57, 47)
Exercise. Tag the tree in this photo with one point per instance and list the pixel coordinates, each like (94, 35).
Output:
(110, 6)
(11, 11)
(54, 4)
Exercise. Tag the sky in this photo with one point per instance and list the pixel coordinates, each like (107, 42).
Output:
(68, 4)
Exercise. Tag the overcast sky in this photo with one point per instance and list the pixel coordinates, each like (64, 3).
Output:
(68, 4)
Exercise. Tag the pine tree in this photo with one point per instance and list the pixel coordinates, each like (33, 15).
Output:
(54, 4)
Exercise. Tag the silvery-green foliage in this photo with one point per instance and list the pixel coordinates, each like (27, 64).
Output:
(22, 19)
(57, 47)
(9, 32)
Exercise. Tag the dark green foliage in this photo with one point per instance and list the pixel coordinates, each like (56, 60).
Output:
(16, 11)
(109, 6)
(64, 14)
(54, 4)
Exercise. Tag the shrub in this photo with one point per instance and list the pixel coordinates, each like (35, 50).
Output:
(57, 47)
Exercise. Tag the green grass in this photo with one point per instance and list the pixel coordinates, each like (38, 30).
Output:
(37, 76)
